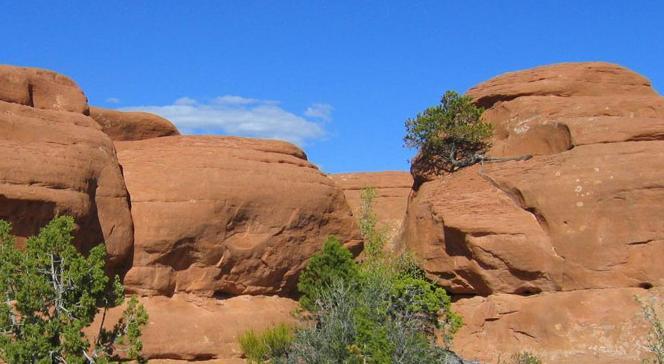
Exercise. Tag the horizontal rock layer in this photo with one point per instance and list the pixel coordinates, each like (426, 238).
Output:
(585, 327)
(192, 328)
(132, 125)
(389, 205)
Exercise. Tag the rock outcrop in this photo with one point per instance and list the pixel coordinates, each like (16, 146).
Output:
(389, 205)
(56, 161)
(583, 215)
(132, 125)
(587, 326)
(227, 215)
(194, 328)
(41, 89)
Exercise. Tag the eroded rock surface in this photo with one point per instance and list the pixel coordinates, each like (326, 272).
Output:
(56, 161)
(132, 125)
(41, 89)
(389, 205)
(229, 215)
(193, 328)
(585, 327)
(582, 217)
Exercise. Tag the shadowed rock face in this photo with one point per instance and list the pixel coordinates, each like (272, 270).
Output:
(583, 214)
(228, 215)
(126, 125)
(392, 190)
(56, 161)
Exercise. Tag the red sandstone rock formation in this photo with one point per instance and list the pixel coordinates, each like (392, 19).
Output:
(226, 214)
(41, 89)
(56, 161)
(125, 125)
(194, 328)
(583, 215)
(392, 190)
(586, 326)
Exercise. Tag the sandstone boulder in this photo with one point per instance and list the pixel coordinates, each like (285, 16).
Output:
(192, 328)
(41, 89)
(227, 215)
(565, 80)
(126, 125)
(588, 203)
(582, 327)
(559, 244)
(473, 238)
(56, 163)
(389, 205)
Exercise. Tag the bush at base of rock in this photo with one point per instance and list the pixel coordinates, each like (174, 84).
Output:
(271, 343)
(50, 293)
(333, 262)
(655, 344)
(378, 311)
(524, 357)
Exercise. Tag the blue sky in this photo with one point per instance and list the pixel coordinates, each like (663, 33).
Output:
(337, 77)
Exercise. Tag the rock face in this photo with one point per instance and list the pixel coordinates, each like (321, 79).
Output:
(589, 326)
(192, 328)
(227, 215)
(583, 214)
(56, 161)
(392, 190)
(41, 89)
(125, 125)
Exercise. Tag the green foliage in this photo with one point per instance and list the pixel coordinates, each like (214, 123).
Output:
(332, 263)
(655, 343)
(382, 310)
(450, 135)
(374, 239)
(524, 357)
(272, 343)
(50, 292)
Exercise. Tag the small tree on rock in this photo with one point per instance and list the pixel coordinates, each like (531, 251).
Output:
(450, 135)
(50, 292)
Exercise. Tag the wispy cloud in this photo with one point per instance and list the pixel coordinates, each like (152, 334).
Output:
(237, 115)
(320, 111)
(113, 100)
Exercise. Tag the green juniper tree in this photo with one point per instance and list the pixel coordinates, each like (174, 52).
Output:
(451, 135)
(50, 292)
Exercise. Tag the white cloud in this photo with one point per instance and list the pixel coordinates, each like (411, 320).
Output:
(233, 100)
(237, 115)
(113, 100)
(321, 111)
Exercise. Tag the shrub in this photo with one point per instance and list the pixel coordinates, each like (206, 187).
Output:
(271, 343)
(451, 135)
(655, 343)
(50, 293)
(358, 323)
(524, 357)
(374, 239)
(385, 311)
(381, 310)
(332, 263)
